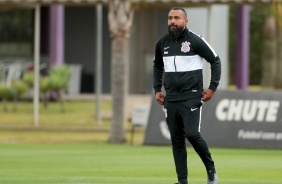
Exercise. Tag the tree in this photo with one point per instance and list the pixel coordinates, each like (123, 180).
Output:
(19, 87)
(59, 79)
(269, 56)
(4, 94)
(260, 45)
(45, 88)
(120, 20)
(277, 5)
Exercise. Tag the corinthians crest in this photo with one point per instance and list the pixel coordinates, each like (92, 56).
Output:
(185, 47)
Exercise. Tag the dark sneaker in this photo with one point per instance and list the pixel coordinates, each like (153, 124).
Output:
(212, 177)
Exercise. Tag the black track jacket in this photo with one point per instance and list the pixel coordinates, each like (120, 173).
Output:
(178, 64)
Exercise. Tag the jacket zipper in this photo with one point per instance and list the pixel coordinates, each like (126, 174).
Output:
(175, 64)
(175, 57)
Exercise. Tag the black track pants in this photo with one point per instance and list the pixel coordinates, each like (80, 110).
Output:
(184, 121)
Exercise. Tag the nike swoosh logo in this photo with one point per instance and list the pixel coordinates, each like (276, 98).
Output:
(166, 48)
(193, 109)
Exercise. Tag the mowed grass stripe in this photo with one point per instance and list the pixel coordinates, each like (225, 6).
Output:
(124, 164)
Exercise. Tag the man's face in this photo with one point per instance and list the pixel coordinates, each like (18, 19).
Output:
(176, 22)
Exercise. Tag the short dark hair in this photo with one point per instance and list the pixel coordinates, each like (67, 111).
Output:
(178, 8)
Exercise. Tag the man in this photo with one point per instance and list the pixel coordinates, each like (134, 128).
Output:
(178, 64)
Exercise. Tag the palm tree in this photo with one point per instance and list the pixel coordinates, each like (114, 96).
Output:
(279, 57)
(120, 20)
(277, 6)
(269, 56)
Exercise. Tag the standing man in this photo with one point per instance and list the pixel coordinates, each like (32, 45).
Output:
(178, 64)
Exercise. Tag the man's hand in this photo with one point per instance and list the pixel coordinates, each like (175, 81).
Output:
(160, 98)
(207, 95)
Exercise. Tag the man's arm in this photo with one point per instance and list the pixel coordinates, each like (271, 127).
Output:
(215, 77)
(207, 52)
(158, 73)
(215, 73)
(158, 68)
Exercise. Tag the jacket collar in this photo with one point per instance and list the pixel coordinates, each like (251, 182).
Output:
(183, 33)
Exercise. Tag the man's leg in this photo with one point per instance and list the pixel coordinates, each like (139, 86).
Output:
(191, 114)
(201, 148)
(177, 133)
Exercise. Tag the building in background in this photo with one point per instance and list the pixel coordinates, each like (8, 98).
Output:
(79, 41)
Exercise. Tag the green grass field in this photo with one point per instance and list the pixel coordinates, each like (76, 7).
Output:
(101, 163)
(77, 113)
(68, 148)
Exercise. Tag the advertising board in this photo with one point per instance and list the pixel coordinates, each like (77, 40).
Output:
(231, 119)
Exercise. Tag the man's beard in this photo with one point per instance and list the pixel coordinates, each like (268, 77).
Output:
(174, 32)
